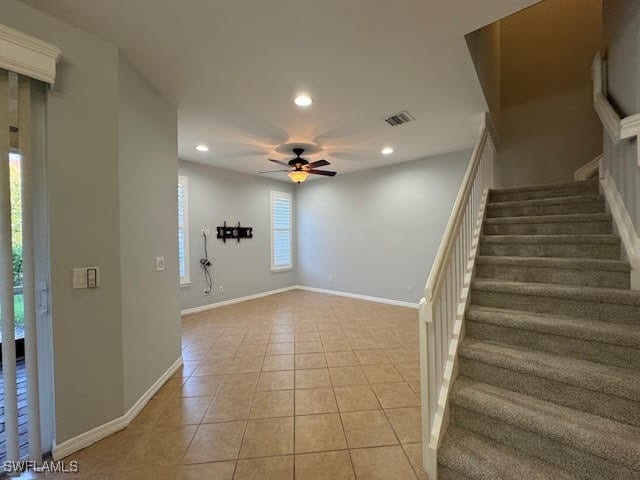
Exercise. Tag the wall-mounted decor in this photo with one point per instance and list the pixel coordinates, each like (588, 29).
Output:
(237, 233)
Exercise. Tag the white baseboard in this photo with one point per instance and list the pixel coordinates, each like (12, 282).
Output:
(387, 301)
(232, 301)
(90, 437)
(624, 226)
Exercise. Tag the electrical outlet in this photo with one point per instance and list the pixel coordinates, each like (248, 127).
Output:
(220, 289)
(160, 264)
(207, 293)
(205, 231)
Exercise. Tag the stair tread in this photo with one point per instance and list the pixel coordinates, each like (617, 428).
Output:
(556, 262)
(549, 186)
(604, 438)
(590, 198)
(575, 292)
(621, 382)
(592, 330)
(481, 458)
(562, 218)
(592, 238)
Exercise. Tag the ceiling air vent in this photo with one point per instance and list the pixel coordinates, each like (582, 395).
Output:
(399, 118)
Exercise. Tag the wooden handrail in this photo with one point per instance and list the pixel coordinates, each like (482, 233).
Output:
(435, 275)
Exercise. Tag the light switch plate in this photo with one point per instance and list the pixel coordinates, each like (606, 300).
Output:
(81, 277)
(160, 264)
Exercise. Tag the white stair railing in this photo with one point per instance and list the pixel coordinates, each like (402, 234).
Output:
(446, 295)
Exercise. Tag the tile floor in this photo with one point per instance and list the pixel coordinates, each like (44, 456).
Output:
(296, 385)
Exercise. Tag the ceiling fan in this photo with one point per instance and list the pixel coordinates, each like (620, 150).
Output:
(299, 168)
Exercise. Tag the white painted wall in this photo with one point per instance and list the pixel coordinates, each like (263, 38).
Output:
(376, 232)
(242, 269)
(622, 39)
(148, 168)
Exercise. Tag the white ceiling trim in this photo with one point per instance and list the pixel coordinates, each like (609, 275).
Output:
(27, 55)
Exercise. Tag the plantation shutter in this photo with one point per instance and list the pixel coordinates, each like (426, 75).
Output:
(281, 237)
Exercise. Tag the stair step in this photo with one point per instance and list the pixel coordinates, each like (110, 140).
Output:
(603, 342)
(586, 445)
(549, 224)
(563, 189)
(604, 390)
(606, 304)
(575, 246)
(557, 270)
(472, 456)
(547, 206)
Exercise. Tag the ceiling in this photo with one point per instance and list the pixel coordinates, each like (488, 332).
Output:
(233, 67)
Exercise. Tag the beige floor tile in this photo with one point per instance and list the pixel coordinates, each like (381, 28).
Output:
(201, 386)
(367, 429)
(324, 466)
(281, 338)
(414, 452)
(315, 400)
(371, 357)
(268, 436)
(336, 345)
(340, 359)
(214, 442)
(382, 463)
(186, 369)
(406, 422)
(415, 386)
(410, 371)
(149, 416)
(356, 397)
(239, 382)
(229, 406)
(252, 350)
(316, 433)
(396, 395)
(287, 348)
(160, 447)
(279, 380)
(150, 473)
(403, 355)
(307, 334)
(172, 388)
(313, 378)
(183, 411)
(269, 468)
(382, 374)
(200, 471)
(277, 403)
(108, 455)
(341, 376)
(313, 346)
(278, 362)
(310, 360)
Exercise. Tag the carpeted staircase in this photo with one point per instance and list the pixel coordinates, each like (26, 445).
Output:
(549, 370)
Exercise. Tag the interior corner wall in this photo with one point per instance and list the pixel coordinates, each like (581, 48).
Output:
(484, 48)
(82, 181)
(376, 232)
(148, 172)
(548, 125)
(622, 40)
(241, 269)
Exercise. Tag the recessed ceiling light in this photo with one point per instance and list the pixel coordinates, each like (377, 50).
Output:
(386, 151)
(202, 148)
(303, 100)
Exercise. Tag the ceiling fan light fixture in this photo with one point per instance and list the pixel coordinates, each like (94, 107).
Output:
(303, 100)
(298, 176)
(386, 151)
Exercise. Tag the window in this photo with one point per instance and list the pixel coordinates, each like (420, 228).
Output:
(281, 241)
(183, 230)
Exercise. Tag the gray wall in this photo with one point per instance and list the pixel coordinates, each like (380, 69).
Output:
(95, 112)
(82, 166)
(147, 126)
(377, 231)
(548, 126)
(242, 269)
(622, 37)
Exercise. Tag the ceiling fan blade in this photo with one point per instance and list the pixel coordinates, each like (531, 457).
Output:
(274, 171)
(319, 163)
(326, 173)
(279, 162)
